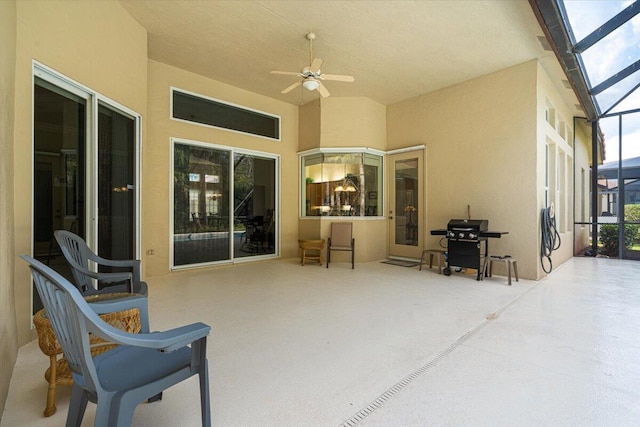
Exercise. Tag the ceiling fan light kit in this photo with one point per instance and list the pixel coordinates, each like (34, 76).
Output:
(311, 75)
(310, 84)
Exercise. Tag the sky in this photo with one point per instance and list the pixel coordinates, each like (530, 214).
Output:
(610, 55)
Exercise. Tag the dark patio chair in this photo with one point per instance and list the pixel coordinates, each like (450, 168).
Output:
(341, 239)
(89, 282)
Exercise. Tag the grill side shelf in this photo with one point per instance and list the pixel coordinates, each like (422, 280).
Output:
(492, 234)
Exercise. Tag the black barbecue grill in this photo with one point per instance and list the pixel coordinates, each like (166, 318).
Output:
(467, 243)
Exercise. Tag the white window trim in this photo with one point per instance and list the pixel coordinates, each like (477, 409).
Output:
(232, 151)
(199, 95)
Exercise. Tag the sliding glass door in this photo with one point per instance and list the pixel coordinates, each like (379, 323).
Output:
(223, 204)
(85, 171)
(200, 205)
(116, 184)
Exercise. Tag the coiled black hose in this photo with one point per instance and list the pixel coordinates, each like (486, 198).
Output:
(550, 240)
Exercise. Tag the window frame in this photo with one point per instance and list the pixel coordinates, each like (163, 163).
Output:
(380, 190)
(232, 152)
(173, 89)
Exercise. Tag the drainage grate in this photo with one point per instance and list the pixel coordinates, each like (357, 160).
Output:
(378, 402)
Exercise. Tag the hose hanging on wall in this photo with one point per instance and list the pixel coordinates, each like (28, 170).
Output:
(550, 240)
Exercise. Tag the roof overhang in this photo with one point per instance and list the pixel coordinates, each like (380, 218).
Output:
(550, 17)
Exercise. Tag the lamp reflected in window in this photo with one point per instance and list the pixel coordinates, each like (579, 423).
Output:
(336, 184)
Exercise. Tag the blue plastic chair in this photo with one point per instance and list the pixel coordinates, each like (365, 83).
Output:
(142, 366)
(78, 255)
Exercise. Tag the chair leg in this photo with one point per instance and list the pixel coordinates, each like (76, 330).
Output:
(122, 411)
(205, 408)
(77, 406)
(328, 257)
(50, 409)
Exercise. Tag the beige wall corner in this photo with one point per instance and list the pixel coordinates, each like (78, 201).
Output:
(309, 128)
(482, 144)
(8, 326)
(350, 123)
(556, 131)
(353, 122)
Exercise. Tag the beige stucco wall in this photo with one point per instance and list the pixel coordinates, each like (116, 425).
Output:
(309, 125)
(156, 152)
(8, 327)
(547, 92)
(95, 43)
(481, 143)
(353, 123)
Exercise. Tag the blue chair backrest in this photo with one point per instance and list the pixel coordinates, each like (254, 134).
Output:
(75, 250)
(65, 308)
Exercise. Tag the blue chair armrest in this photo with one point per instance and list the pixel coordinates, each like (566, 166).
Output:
(134, 264)
(166, 341)
(108, 277)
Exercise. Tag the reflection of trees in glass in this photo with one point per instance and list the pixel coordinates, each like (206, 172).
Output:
(70, 170)
(181, 188)
(243, 185)
(200, 163)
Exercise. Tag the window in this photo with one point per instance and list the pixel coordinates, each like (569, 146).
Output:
(207, 111)
(550, 114)
(224, 204)
(342, 184)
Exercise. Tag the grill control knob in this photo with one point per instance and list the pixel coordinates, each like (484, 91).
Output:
(472, 236)
(461, 235)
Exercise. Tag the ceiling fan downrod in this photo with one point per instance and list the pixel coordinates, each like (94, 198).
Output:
(311, 37)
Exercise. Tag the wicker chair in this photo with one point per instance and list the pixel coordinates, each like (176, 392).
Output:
(141, 367)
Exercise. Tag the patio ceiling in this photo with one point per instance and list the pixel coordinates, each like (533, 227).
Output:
(395, 49)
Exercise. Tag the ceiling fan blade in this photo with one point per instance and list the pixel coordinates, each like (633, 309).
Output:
(337, 77)
(286, 73)
(315, 65)
(323, 90)
(292, 87)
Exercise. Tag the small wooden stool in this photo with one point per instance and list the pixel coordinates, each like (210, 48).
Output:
(509, 262)
(314, 246)
(437, 252)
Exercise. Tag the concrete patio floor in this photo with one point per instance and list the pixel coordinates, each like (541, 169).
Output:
(384, 345)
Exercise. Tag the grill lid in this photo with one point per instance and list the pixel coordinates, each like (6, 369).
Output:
(468, 224)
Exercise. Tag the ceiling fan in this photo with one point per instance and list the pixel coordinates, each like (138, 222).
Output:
(311, 75)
